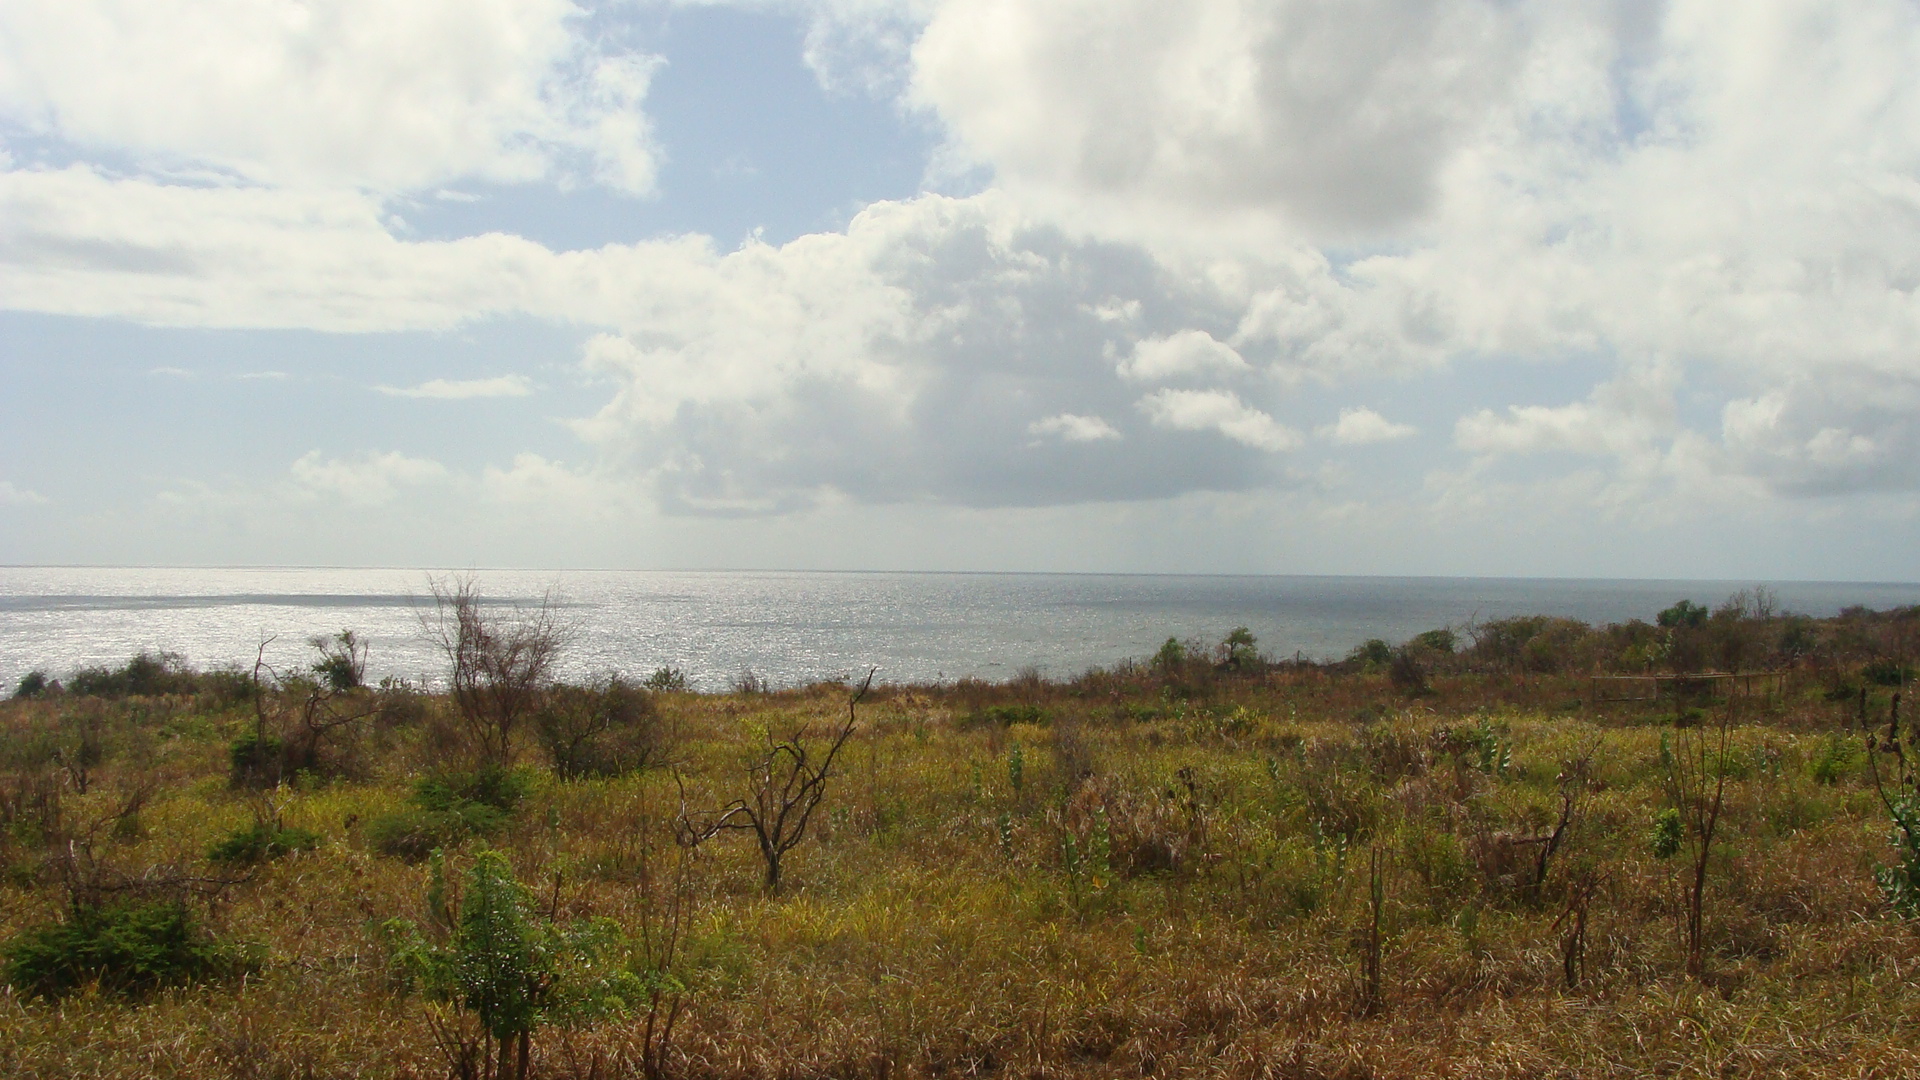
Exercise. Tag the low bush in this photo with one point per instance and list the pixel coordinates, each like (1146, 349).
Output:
(605, 730)
(490, 785)
(33, 684)
(1685, 614)
(126, 949)
(1408, 674)
(261, 842)
(1885, 672)
(1838, 758)
(1009, 715)
(413, 834)
(446, 809)
(667, 680)
(143, 676)
(1371, 655)
(255, 760)
(1666, 834)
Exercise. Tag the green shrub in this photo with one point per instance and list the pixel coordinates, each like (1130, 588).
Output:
(1239, 650)
(515, 971)
(343, 661)
(1886, 672)
(261, 842)
(605, 730)
(1372, 654)
(413, 833)
(1171, 657)
(255, 760)
(1837, 759)
(128, 949)
(143, 676)
(1686, 613)
(670, 680)
(448, 808)
(1009, 715)
(490, 785)
(33, 684)
(1667, 832)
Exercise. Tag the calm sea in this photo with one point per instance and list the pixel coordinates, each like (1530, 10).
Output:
(793, 627)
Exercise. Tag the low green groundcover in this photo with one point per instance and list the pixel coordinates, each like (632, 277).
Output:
(128, 948)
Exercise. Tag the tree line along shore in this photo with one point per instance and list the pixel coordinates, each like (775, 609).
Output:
(1682, 846)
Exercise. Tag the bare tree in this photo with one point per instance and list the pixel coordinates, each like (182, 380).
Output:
(785, 786)
(498, 668)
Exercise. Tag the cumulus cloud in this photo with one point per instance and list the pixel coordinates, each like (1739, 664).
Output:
(335, 93)
(1221, 411)
(1714, 195)
(1621, 418)
(1837, 439)
(500, 386)
(905, 359)
(1361, 426)
(12, 494)
(370, 479)
(1332, 116)
(1189, 352)
(1071, 427)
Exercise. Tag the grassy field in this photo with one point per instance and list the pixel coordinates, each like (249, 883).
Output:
(1208, 865)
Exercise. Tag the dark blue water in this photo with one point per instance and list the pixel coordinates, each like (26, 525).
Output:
(799, 626)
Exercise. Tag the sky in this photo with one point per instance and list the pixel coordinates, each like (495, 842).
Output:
(1587, 288)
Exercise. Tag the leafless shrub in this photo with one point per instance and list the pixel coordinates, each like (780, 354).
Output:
(497, 668)
(1695, 765)
(300, 724)
(80, 859)
(785, 786)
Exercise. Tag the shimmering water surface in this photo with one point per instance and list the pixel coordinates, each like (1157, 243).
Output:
(792, 627)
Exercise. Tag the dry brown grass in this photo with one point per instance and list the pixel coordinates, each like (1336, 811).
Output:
(935, 923)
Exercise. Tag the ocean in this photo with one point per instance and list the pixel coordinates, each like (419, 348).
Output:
(795, 627)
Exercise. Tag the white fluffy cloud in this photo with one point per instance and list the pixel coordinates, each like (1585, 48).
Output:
(1621, 418)
(333, 93)
(1331, 116)
(1197, 214)
(1189, 352)
(916, 356)
(1361, 426)
(1071, 427)
(1221, 411)
(1828, 439)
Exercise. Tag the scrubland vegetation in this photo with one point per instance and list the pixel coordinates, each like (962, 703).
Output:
(1454, 856)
